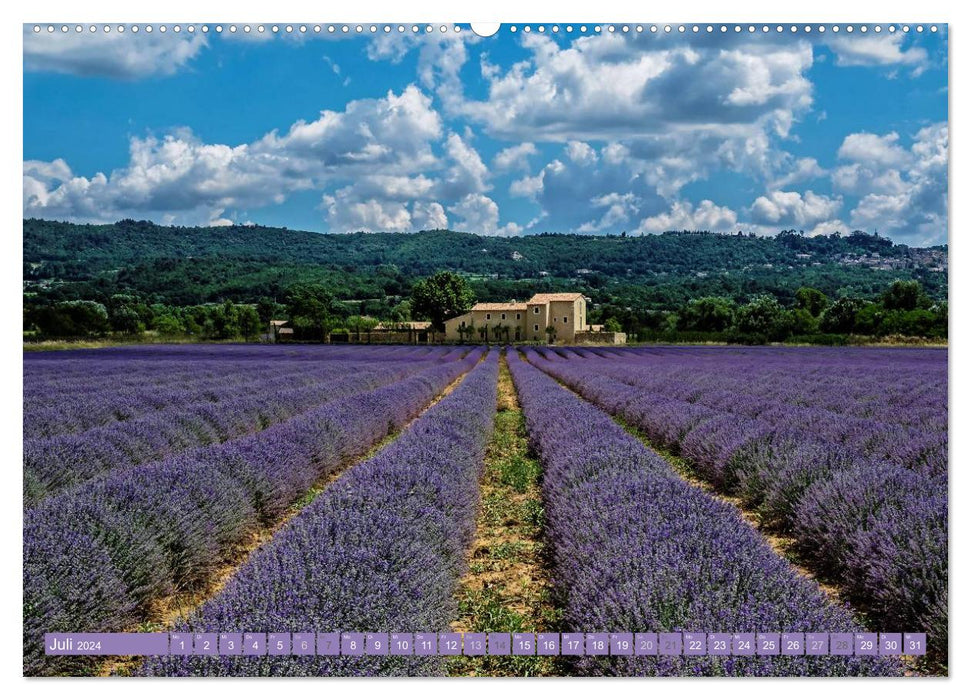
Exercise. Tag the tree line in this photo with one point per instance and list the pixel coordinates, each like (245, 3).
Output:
(903, 309)
(315, 314)
(311, 310)
(126, 315)
(373, 272)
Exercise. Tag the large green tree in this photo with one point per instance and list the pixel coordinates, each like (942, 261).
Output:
(72, 319)
(268, 309)
(763, 316)
(441, 296)
(312, 310)
(812, 300)
(612, 325)
(360, 324)
(905, 295)
(248, 321)
(841, 316)
(707, 314)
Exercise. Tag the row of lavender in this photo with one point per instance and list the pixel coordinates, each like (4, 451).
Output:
(759, 402)
(73, 410)
(636, 548)
(70, 395)
(54, 464)
(897, 386)
(96, 557)
(864, 498)
(48, 373)
(381, 549)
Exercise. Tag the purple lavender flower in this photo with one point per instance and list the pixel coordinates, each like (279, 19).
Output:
(381, 550)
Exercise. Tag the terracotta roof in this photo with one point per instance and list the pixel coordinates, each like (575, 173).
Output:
(278, 323)
(504, 306)
(558, 296)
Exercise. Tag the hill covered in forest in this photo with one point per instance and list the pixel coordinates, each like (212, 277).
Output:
(183, 265)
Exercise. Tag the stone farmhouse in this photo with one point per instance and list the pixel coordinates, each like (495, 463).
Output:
(555, 318)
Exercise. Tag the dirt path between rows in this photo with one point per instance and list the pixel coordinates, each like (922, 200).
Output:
(506, 588)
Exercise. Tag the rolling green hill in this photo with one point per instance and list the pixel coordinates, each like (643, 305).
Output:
(181, 266)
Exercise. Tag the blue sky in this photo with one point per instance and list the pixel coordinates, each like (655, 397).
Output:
(513, 134)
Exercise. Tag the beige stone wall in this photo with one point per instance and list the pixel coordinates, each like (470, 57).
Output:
(507, 318)
(403, 337)
(489, 319)
(568, 317)
(600, 338)
(452, 325)
(537, 318)
(564, 317)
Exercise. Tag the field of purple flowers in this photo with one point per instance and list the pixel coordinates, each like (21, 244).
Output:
(845, 450)
(147, 470)
(635, 547)
(97, 554)
(75, 430)
(381, 550)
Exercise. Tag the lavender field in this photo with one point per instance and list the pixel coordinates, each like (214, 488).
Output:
(239, 488)
(121, 522)
(843, 450)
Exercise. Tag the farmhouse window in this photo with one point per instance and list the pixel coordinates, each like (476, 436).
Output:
(504, 317)
(535, 309)
(518, 316)
(536, 327)
(488, 317)
(564, 319)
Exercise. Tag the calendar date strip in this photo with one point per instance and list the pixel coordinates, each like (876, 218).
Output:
(486, 644)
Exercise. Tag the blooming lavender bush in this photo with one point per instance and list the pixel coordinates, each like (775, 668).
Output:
(56, 409)
(636, 548)
(160, 527)
(836, 430)
(883, 530)
(381, 550)
(73, 391)
(55, 463)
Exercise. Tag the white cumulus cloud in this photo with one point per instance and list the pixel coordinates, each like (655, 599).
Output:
(873, 150)
(478, 213)
(683, 215)
(467, 172)
(618, 210)
(110, 54)
(369, 215)
(802, 210)
(383, 145)
(877, 50)
(801, 170)
(514, 157)
(611, 86)
(427, 216)
(903, 191)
